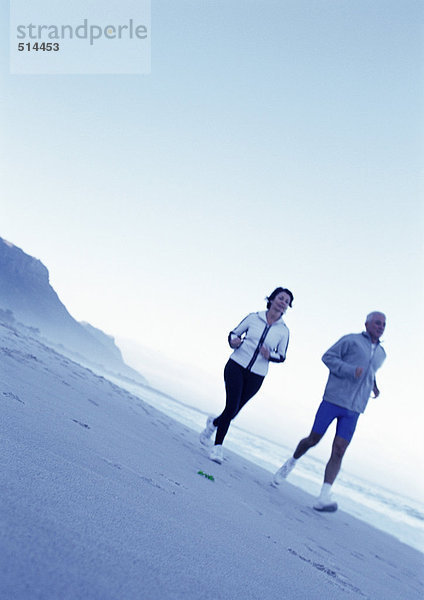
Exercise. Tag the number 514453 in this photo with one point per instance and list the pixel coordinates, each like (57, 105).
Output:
(44, 47)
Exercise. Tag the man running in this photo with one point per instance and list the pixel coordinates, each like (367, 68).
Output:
(353, 362)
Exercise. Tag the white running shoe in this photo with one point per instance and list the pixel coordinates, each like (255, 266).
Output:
(283, 471)
(326, 504)
(217, 454)
(205, 436)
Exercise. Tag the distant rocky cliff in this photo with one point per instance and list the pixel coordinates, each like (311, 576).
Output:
(25, 290)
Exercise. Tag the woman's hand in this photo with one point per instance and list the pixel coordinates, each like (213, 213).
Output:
(235, 342)
(265, 352)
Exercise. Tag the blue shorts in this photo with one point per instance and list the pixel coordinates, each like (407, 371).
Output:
(346, 420)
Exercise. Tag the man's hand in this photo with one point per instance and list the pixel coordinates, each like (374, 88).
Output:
(358, 372)
(376, 391)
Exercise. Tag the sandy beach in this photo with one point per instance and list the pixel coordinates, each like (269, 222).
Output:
(102, 499)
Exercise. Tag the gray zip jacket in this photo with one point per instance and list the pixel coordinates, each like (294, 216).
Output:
(257, 333)
(352, 351)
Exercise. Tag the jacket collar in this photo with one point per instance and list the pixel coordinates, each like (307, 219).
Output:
(367, 335)
(262, 315)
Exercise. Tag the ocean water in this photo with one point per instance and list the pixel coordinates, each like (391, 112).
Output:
(398, 515)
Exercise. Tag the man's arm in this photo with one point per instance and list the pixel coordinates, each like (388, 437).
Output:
(334, 360)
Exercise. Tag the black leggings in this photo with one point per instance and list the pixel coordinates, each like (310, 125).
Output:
(240, 386)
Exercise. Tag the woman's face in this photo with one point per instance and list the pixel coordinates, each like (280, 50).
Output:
(281, 302)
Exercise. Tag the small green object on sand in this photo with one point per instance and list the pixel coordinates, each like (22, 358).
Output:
(211, 477)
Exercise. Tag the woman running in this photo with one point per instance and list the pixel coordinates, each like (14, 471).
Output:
(261, 338)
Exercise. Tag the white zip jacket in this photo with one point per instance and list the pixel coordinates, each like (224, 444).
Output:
(255, 332)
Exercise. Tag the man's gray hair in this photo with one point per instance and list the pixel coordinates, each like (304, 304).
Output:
(372, 315)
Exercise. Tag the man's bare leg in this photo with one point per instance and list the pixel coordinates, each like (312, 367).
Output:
(333, 466)
(325, 502)
(302, 447)
(308, 442)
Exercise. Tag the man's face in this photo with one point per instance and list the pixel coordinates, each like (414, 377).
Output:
(376, 325)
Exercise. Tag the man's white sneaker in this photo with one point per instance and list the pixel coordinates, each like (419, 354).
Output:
(326, 504)
(217, 454)
(283, 471)
(205, 436)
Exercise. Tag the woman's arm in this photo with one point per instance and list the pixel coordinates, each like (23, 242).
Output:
(235, 336)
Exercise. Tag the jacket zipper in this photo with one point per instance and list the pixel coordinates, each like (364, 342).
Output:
(363, 378)
(258, 347)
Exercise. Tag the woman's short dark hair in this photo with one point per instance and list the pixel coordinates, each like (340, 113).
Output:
(277, 291)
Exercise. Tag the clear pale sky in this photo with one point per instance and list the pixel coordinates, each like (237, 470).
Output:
(273, 143)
